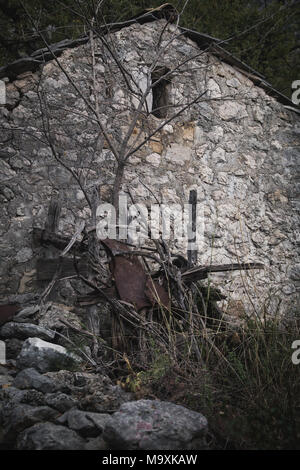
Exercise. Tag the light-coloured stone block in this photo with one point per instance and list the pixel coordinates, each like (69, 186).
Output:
(178, 154)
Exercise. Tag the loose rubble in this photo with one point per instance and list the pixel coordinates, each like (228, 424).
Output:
(44, 406)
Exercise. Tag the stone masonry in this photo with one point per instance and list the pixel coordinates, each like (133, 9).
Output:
(237, 146)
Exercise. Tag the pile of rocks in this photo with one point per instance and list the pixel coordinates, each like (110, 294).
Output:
(51, 398)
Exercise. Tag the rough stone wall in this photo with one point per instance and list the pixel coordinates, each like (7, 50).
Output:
(238, 147)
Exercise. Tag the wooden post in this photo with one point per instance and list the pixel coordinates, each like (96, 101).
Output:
(51, 226)
(192, 251)
(54, 210)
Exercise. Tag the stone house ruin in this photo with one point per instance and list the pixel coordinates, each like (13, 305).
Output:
(237, 145)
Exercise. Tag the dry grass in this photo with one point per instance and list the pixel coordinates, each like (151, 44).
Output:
(242, 379)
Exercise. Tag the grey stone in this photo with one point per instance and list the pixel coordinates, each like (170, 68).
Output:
(48, 436)
(24, 255)
(178, 154)
(23, 299)
(156, 425)
(25, 330)
(86, 423)
(31, 378)
(232, 110)
(5, 380)
(288, 289)
(219, 155)
(60, 401)
(11, 394)
(13, 348)
(45, 356)
(154, 159)
(51, 315)
(6, 371)
(94, 392)
(15, 418)
(29, 397)
(27, 312)
(64, 380)
(96, 443)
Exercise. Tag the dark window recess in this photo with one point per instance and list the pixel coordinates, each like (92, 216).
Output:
(160, 92)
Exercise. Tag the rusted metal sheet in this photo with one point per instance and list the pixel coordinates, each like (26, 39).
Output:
(128, 274)
(133, 284)
(130, 280)
(157, 293)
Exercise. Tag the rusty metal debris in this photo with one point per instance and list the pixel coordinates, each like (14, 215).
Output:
(157, 294)
(133, 284)
(130, 280)
(141, 300)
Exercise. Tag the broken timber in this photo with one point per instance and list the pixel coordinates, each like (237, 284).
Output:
(58, 241)
(202, 272)
(131, 282)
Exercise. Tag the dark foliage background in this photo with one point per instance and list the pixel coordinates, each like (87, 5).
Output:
(264, 34)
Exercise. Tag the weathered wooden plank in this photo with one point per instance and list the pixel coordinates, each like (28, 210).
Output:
(201, 272)
(54, 210)
(58, 241)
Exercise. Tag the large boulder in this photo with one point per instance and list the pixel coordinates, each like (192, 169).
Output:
(13, 347)
(5, 380)
(45, 356)
(14, 396)
(16, 418)
(94, 391)
(156, 425)
(86, 423)
(6, 377)
(31, 378)
(49, 436)
(26, 330)
(26, 313)
(60, 401)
